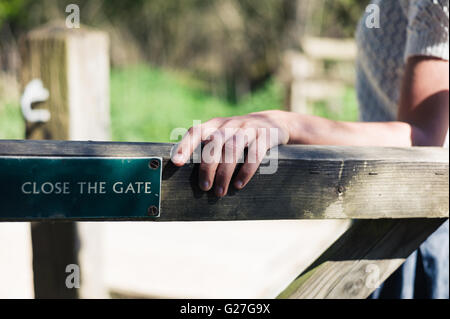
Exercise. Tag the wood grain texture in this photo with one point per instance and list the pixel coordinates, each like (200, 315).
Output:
(44, 56)
(73, 65)
(364, 257)
(55, 245)
(311, 182)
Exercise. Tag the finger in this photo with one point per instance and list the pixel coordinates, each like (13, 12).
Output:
(192, 140)
(211, 156)
(256, 153)
(231, 154)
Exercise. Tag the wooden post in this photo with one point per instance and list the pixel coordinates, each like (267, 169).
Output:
(307, 80)
(73, 65)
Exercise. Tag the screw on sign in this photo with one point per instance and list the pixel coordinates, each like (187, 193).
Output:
(153, 164)
(153, 211)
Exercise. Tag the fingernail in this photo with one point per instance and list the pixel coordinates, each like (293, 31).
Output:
(178, 158)
(219, 191)
(204, 185)
(239, 184)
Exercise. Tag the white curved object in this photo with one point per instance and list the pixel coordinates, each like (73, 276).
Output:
(34, 92)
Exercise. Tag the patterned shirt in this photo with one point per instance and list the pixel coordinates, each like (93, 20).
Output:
(406, 28)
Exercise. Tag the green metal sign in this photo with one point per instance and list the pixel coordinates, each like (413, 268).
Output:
(79, 188)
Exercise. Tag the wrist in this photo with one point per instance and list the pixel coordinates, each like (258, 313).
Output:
(284, 120)
(294, 123)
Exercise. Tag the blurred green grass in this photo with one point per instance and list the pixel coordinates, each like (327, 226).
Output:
(348, 107)
(148, 103)
(12, 125)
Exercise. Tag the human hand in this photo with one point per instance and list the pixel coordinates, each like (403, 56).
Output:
(225, 141)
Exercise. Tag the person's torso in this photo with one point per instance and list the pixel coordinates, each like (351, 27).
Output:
(380, 62)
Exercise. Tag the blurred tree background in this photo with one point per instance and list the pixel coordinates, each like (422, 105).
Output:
(229, 49)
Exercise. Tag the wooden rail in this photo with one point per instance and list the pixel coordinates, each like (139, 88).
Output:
(361, 259)
(312, 182)
(399, 196)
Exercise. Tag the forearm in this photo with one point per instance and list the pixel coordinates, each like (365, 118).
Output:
(307, 129)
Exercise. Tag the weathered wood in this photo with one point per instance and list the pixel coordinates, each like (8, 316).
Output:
(312, 182)
(306, 79)
(73, 65)
(330, 48)
(365, 256)
(55, 245)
